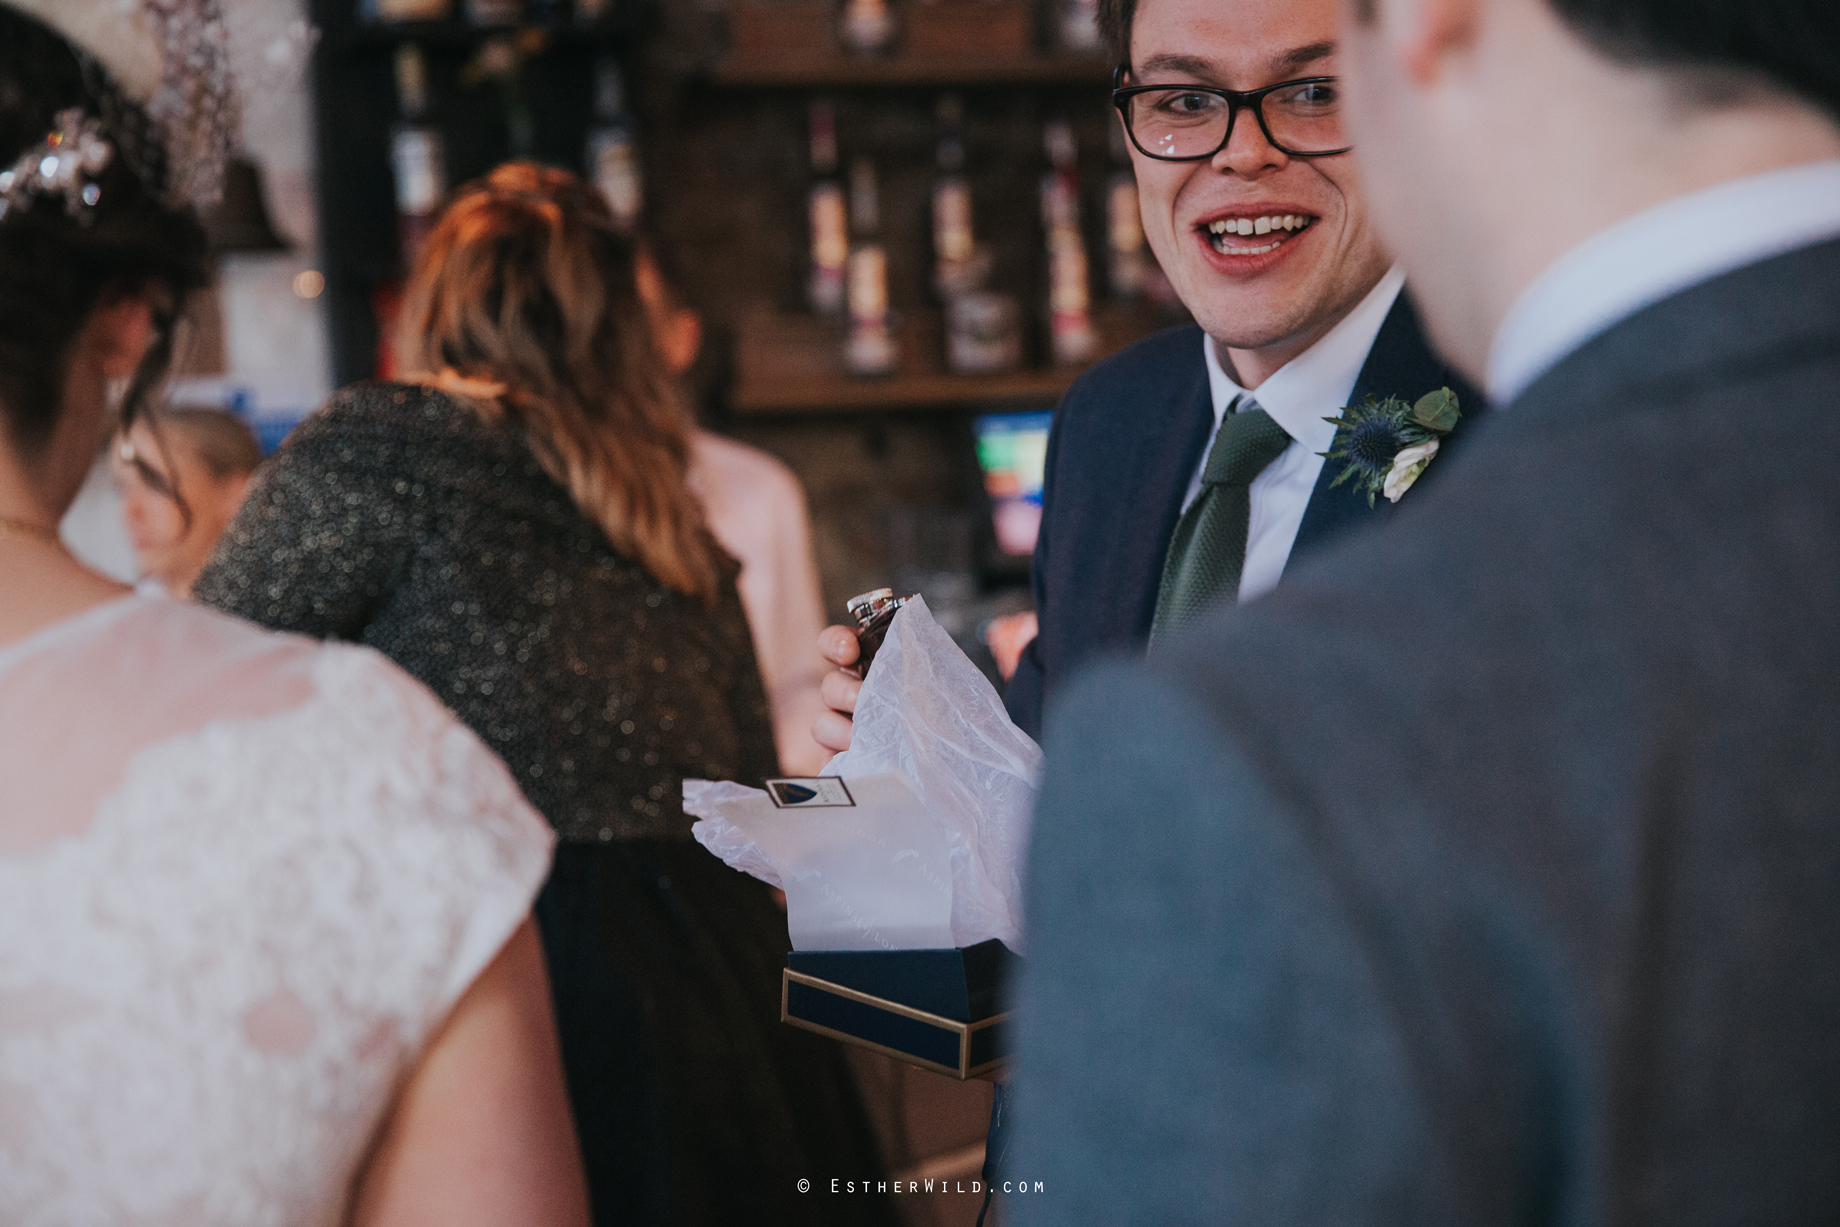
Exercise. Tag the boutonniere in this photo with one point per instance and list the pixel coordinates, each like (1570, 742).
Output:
(1388, 443)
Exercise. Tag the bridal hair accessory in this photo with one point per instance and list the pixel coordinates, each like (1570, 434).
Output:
(65, 163)
(167, 101)
(1387, 444)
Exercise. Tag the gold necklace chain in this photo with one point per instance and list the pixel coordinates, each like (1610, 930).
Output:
(9, 527)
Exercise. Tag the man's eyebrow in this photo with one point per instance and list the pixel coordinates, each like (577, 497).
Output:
(1200, 69)
(1185, 65)
(1309, 54)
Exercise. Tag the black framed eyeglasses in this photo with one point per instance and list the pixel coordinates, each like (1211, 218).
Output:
(1190, 123)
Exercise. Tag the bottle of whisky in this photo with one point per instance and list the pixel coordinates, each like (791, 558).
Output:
(404, 10)
(1124, 225)
(417, 156)
(494, 12)
(870, 349)
(868, 26)
(829, 217)
(958, 266)
(1079, 26)
(613, 148)
(1071, 337)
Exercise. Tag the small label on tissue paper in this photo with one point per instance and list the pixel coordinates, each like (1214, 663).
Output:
(878, 877)
(809, 792)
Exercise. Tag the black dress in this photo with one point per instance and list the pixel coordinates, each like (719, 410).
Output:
(397, 518)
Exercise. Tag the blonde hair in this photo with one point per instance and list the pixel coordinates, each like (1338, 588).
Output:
(524, 304)
(223, 444)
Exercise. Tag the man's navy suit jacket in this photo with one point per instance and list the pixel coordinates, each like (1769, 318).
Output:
(1125, 443)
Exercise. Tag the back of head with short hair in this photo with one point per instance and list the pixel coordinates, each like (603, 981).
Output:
(1790, 45)
(223, 444)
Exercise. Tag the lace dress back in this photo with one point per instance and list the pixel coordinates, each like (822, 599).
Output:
(243, 877)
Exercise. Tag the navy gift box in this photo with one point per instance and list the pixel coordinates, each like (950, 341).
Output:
(937, 1009)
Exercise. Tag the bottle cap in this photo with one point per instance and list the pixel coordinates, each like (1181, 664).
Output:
(865, 601)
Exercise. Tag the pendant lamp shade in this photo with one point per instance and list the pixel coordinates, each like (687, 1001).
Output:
(241, 222)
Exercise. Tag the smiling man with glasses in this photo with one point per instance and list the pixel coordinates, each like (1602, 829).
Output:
(1189, 469)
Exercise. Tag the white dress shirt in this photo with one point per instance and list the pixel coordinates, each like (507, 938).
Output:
(1653, 255)
(1299, 396)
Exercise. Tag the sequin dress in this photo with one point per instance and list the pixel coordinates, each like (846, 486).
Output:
(396, 517)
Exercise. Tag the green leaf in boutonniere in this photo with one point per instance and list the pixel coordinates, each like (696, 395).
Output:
(1387, 443)
(1437, 411)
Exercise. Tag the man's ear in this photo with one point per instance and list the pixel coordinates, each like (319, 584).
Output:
(121, 330)
(1423, 33)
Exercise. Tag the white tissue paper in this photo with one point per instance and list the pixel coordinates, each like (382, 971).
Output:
(855, 878)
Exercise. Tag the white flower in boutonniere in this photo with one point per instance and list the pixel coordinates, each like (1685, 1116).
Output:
(1407, 465)
(1388, 443)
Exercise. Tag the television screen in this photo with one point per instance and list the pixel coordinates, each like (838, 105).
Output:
(1012, 451)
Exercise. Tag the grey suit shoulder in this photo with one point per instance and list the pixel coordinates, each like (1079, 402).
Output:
(1492, 876)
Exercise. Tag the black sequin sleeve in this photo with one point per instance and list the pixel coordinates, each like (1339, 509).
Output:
(321, 536)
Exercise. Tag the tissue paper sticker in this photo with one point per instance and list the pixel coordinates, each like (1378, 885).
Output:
(874, 875)
(809, 792)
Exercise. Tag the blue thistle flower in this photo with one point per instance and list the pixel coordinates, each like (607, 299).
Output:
(1373, 443)
(1369, 436)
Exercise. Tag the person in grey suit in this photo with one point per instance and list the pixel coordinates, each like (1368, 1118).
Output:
(1488, 871)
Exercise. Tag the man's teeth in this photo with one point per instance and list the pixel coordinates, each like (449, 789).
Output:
(1258, 225)
(1280, 224)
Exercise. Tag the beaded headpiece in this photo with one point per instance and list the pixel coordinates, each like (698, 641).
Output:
(66, 162)
(167, 102)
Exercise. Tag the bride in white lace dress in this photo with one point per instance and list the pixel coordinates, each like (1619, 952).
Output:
(265, 954)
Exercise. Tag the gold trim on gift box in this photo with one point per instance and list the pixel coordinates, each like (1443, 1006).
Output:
(963, 1071)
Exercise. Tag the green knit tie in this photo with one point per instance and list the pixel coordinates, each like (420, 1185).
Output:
(1209, 547)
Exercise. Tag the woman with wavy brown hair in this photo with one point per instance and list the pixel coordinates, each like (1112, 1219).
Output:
(516, 530)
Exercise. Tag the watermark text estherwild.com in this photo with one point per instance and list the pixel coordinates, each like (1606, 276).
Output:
(839, 1184)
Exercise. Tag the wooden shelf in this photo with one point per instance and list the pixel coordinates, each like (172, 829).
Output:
(438, 33)
(824, 70)
(795, 44)
(938, 390)
(793, 365)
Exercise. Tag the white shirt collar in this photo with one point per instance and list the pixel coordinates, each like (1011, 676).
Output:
(1303, 392)
(1653, 255)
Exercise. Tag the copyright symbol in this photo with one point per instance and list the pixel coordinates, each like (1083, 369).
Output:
(804, 1186)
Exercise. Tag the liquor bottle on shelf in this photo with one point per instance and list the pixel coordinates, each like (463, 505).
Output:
(870, 349)
(494, 12)
(1070, 330)
(1124, 225)
(829, 217)
(393, 11)
(868, 26)
(417, 156)
(500, 62)
(1079, 25)
(959, 265)
(613, 149)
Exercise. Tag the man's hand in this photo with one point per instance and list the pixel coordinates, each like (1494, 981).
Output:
(832, 729)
